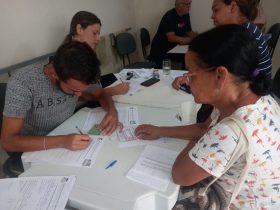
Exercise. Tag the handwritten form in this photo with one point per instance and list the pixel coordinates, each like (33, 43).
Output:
(153, 167)
(36, 193)
(61, 156)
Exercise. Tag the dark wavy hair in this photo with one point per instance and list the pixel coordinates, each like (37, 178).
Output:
(76, 60)
(83, 18)
(233, 47)
(249, 8)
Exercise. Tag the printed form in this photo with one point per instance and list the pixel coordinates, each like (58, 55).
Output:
(37, 193)
(153, 168)
(61, 156)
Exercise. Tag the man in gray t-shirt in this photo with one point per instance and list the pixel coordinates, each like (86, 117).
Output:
(41, 96)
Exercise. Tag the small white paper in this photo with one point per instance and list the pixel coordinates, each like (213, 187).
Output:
(153, 168)
(36, 193)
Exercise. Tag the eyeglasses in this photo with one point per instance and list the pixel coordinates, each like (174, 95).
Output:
(189, 75)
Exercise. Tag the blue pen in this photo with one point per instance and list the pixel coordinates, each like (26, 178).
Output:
(111, 164)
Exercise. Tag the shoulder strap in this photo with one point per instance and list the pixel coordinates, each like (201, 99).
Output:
(243, 146)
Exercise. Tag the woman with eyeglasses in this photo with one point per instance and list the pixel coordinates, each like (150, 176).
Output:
(225, 58)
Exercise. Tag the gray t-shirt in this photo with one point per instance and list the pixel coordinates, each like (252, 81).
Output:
(30, 95)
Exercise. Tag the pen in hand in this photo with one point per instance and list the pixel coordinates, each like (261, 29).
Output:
(79, 130)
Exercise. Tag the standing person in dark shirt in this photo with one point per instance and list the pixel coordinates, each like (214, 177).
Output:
(174, 28)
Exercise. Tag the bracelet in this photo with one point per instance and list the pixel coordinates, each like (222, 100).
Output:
(44, 143)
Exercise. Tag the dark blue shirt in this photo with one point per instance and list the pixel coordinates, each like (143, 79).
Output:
(265, 64)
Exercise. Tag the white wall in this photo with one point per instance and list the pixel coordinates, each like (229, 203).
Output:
(30, 28)
(271, 10)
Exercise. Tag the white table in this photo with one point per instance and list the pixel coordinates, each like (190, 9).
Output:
(179, 49)
(97, 188)
(161, 94)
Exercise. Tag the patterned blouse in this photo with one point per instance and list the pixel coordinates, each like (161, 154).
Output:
(261, 189)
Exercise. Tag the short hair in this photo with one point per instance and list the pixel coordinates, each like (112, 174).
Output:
(76, 60)
(233, 47)
(85, 19)
(249, 8)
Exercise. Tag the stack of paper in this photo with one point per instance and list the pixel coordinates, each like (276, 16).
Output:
(26, 193)
(153, 168)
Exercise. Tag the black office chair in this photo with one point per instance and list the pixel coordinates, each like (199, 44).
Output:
(125, 45)
(145, 41)
(276, 84)
(274, 30)
(12, 167)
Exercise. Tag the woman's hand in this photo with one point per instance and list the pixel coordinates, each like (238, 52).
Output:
(122, 88)
(147, 132)
(178, 81)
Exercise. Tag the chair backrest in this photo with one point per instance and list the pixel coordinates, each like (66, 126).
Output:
(125, 45)
(2, 101)
(274, 30)
(145, 41)
(276, 84)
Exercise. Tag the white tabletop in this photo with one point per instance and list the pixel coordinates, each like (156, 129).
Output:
(97, 188)
(180, 49)
(161, 94)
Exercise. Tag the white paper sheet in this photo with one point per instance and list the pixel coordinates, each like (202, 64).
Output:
(180, 49)
(36, 193)
(61, 156)
(153, 168)
(139, 75)
(127, 116)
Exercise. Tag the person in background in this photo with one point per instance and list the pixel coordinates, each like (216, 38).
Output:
(241, 12)
(41, 96)
(174, 28)
(85, 27)
(226, 59)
